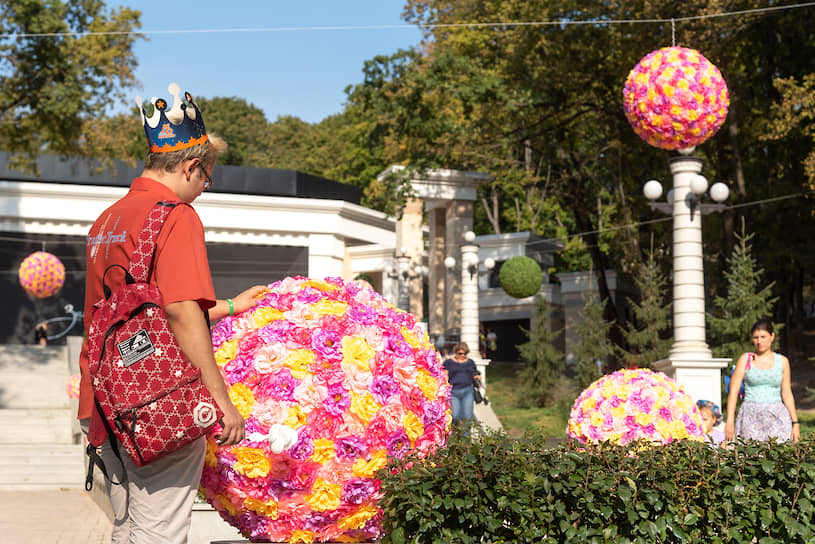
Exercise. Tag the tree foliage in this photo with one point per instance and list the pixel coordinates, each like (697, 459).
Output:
(746, 302)
(593, 343)
(54, 75)
(544, 362)
(645, 334)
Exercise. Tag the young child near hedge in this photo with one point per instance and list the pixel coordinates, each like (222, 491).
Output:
(711, 418)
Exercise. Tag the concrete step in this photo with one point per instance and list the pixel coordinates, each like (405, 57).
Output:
(36, 426)
(42, 466)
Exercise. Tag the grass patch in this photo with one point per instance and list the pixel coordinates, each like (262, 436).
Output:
(503, 388)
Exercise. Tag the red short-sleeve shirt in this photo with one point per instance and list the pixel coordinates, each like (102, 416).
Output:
(180, 267)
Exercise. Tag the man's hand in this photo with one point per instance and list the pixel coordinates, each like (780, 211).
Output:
(190, 329)
(233, 426)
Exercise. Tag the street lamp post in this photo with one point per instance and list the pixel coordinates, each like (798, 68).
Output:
(690, 360)
(469, 297)
(403, 274)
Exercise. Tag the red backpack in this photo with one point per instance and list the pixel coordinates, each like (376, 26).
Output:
(148, 396)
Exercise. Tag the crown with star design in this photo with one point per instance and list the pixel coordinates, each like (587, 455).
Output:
(180, 127)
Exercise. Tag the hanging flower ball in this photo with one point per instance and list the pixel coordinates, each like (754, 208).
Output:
(675, 98)
(41, 274)
(630, 405)
(72, 386)
(332, 380)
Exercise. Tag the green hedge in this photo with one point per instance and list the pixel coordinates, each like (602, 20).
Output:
(494, 489)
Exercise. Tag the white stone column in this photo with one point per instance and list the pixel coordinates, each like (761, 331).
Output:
(690, 361)
(469, 306)
(688, 273)
(325, 256)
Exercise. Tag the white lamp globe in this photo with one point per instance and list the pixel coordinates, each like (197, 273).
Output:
(652, 189)
(670, 196)
(450, 262)
(469, 236)
(489, 263)
(719, 192)
(698, 184)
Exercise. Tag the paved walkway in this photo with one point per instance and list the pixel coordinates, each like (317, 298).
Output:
(68, 516)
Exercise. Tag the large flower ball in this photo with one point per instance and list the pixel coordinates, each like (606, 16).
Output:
(675, 98)
(630, 405)
(332, 380)
(41, 274)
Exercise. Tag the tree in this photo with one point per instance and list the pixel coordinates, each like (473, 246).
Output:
(652, 316)
(544, 362)
(744, 304)
(593, 344)
(54, 74)
(242, 125)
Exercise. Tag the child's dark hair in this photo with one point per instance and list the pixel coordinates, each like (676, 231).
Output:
(763, 324)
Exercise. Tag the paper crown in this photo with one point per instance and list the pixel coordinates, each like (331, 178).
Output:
(186, 128)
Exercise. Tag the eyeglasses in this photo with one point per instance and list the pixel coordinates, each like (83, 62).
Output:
(208, 182)
(461, 353)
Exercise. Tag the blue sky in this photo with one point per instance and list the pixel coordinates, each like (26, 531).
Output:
(301, 73)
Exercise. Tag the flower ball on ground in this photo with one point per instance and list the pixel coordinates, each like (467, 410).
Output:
(332, 380)
(41, 274)
(631, 405)
(674, 98)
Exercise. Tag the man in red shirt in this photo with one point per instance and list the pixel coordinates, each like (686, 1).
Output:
(154, 502)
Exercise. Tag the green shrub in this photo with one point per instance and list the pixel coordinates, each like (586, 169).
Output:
(520, 277)
(493, 489)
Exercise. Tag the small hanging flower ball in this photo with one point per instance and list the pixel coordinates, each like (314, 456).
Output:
(332, 380)
(630, 405)
(41, 274)
(72, 386)
(675, 98)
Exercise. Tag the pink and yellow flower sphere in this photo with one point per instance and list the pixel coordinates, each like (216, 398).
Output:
(630, 405)
(675, 98)
(332, 380)
(41, 274)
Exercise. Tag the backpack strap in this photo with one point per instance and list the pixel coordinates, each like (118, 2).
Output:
(141, 262)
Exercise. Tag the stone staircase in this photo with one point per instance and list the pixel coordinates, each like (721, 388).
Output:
(41, 446)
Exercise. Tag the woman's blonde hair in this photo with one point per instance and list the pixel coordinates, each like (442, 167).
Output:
(461, 346)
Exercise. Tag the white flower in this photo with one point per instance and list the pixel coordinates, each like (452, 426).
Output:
(280, 437)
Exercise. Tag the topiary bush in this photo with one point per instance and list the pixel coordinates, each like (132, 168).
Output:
(520, 277)
(493, 489)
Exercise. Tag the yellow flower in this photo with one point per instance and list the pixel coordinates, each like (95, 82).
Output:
(323, 450)
(211, 460)
(618, 412)
(296, 418)
(324, 495)
(643, 419)
(251, 462)
(329, 307)
(301, 536)
(413, 427)
(265, 315)
(268, 509)
(298, 362)
(356, 353)
(227, 505)
(668, 90)
(320, 285)
(364, 406)
(226, 352)
(367, 469)
(427, 384)
(243, 399)
(596, 418)
(410, 338)
(358, 518)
